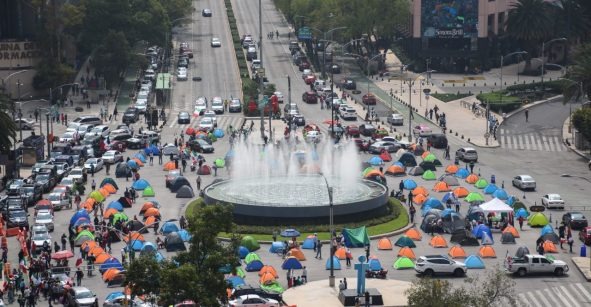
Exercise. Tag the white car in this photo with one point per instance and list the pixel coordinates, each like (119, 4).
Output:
(39, 239)
(69, 136)
(440, 264)
(306, 72)
(97, 162)
(182, 76)
(38, 228)
(524, 182)
(313, 136)
(553, 201)
(68, 182)
(112, 156)
(211, 114)
(348, 113)
(84, 297)
(24, 123)
(280, 97)
(102, 130)
(149, 74)
(467, 154)
(217, 105)
(206, 124)
(396, 119)
(141, 105)
(78, 175)
(45, 218)
(253, 300)
(200, 105)
(215, 42)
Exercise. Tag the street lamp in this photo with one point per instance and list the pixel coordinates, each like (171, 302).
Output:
(8, 78)
(560, 39)
(324, 45)
(343, 49)
(331, 278)
(368, 62)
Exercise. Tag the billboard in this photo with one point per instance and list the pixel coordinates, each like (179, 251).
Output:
(449, 18)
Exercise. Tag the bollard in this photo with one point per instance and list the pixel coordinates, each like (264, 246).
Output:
(450, 131)
(456, 134)
(468, 140)
(462, 136)
(583, 251)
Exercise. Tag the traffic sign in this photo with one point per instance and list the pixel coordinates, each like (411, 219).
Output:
(263, 102)
(305, 33)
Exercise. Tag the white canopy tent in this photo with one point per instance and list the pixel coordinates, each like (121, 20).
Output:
(495, 205)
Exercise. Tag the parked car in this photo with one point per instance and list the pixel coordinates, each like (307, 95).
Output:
(45, 218)
(184, 118)
(395, 119)
(131, 115)
(377, 147)
(439, 264)
(200, 145)
(24, 123)
(60, 200)
(40, 238)
(215, 42)
(585, 235)
(78, 174)
(538, 264)
(553, 201)
(369, 99)
(46, 180)
(253, 300)
(574, 220)
(217, 105)
(438, 140)
(347, 112)
(85, 297)
(235, 106)
(422, 130)
(97, 162)
(17, 218)
(309, 97)
(467, 154)
(367, 129)
(299, 120)
(206, 13)
(524, 182)
(112, 157)
(349, 84)
(352, 131)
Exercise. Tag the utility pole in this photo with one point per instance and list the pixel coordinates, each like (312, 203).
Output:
(409, 110)
(261, 78)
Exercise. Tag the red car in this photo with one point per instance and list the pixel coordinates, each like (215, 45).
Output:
(369, 99)
(352, 131)
(117, 145)
(304, 65)
(585, 235)
(362, 145)
(310, 97)
(44, 204)
(310, 80)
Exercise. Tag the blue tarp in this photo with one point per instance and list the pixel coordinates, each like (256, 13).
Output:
(78, 215)
(276, 247)
(336, 263)
(185, 235)
(478, 230)
(254, 266)
(242, 252)
(490, 188)
(308, 243)
(474, 262)
(374, 265)
(235, 281)
(149, 247)
(462, 173)
(447, 212)
(81, 221)
(114, 295)
(409, 184)
(291, 263)
(290, 233)
(141, 184)
(169, 227)
(511, 200)
(115, 205)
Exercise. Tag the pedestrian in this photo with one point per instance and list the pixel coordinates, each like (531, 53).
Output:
(277, 33)
(93, 185)
(88, 104)
(367, 252)
(62, 117)
(183, 222)
(156, 226)
(526, 115)
(274, 236)
(447, 152)
(348, 257)
(431, 114)
(561, 234)
(36, 115)
(79, 275)
(122, 255)
(151, 158)
(71, 239)
(64, 241)
(107, 168)
(66, 119)
(457, 206)
(215, 170)
(184, 163)
(160, 157)
(409, 198)
(304, 275)
(570, 243)
(92, 171)
(412, 212)
(319, 250)
(428, 145)
(471, 167)
(401, 185)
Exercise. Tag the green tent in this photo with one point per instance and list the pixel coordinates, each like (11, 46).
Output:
(83, 236)
(110, 181)
(403, 263)
(437, 162)
(220, 163)
(430, 158)
(240, 272)
(273, 287)
(119, 216)
(356, 237)
(474, 196)
(96, 195)
(251, 257)
(148, 192)
(429, 175)
(367, 170)
(251, 243)
(481, 183)
(538, 219)
(405, 241)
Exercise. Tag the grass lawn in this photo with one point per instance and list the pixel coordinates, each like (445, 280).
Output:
(450, 96)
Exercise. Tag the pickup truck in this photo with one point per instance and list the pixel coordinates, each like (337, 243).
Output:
(535, 264)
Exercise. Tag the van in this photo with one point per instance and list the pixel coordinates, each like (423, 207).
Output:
(64, 159)
(60, 149)
(319, 85)
(438, 140)
(251, 54)
(89, 119)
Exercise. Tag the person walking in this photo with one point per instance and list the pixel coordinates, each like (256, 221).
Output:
(471, 167)
(107, 168)
(79, 275)
(92, 171)
(151, 158)
(348, 257)
(318, 250)
(410, 198)
(412, 212)
(160, 156)
(526, 115)
(198, 183)
(520, 220)
(93, 185)
(561, 234)
(570, 241)
(304, 275)
(401, 186)
(64, 241)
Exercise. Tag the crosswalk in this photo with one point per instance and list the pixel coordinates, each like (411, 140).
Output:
(223, 121)
(567, 294)
(534, 141)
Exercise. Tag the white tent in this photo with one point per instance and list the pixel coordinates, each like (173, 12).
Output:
(496, 205)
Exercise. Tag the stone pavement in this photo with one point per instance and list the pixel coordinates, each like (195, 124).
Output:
(583, 264)
(568, 139)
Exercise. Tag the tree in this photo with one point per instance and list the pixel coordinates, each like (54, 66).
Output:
(176, 9)
(6, 125)
(530, 24)
(582, 122)
(144, 275)
(571, 19)
(427, 292)
(494, 288)
(112, 56)
(150, 22)
(581, 70)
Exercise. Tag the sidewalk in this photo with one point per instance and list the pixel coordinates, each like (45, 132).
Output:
(568, 140)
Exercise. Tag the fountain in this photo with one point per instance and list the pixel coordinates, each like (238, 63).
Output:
(286, 184)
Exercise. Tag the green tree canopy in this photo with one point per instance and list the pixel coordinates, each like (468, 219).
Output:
(427, 292)
(144, 275)
(6, 125)
(581, 70)
(112, 56)
(530, 23)
(582, 122)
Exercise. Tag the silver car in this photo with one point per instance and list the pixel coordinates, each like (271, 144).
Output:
(524, 182)
(467, 154)
(45, 218)
(395, 119)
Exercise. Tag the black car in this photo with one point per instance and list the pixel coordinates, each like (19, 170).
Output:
(349, 84)
(17, 218)
(206, 13)
(333, 68)
(46, 180)
(367, 129)
(13, 187)
(131, 115)
(235, 106)
(200, 145)
(299, 120)
(437, 140)
(33, 192)
(184, 118)
(248, 289)
(576, 220)
(13, 202)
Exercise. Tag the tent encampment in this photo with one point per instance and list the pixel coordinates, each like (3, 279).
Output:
(457, 251)
(251, 257)
(374, 264)
(487, 252)
(480, 229)
(464, 238)
(414, 234)
(148, 192)
(416, 171)
(495, 205)
(335, 263)
(407, 252)
(438, 242)
(341, 253)
(511, 230)
(122, 170)
(308, 242)
(254, 266)
(538, 219)
(549, 247)
(140, 184)
(407, 159)
(356, 237)
(296, 252)
(251, 243)
(507, 238)
(403, 263)
(521, 251)
(552, 237)
(405, 241)
(174, 242)
(185, 192)
(384, 244)
(204, 170)
(277, 247)
(177, 183)
(486, 239)
(474, 262)
(242, 252)
(168, 227)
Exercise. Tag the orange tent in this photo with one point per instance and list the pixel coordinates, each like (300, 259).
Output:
(110, 273)
(374, 172)
(134, 236)
(169, 166)
(395, 170)
(407, 252)
(487, 251)
(109, 187)
(341, 253)
(419, 199)
(457, 251)
(512, 230)
(152, 212)
(460, 192)
(96, 250)
(101, 258)
(296, 252)
(471, 179)
(268, 269)
(425, 153)
(104, 192)
(420, 190)
(441, 187)
(452, 169)
(150, 221)
(138, 161)
(88, 244)
(267, 278)
(384, 243)
(414, 234)
(146, 206)
(549, 247)
(438, 241)
(87, 206)
(109, 212)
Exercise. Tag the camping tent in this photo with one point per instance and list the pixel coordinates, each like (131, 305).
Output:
(356, 237)
(111, 181)
(235, 281)
(251, 243)
(475, 213)
(450, 180)
(409, 184)
(471, 179)
(395, 170)
(553, 237)
(512, 230)
(464, 238)
(487, 252)
(441, 186)
(474, 197)
(452, 221)
(407, 252)
(420, 190)
(277, 247)
(405, 241)
(479, 229)
(546, 229)
(438, 241)
(384, 244)
(374, 264)
(174, 242)
(403, 263)
(407, 159)
(495, 205)
(490, 188)
(521, 212)
(429, 175)
(416, 171)
(457, 251)
(242, 252)
(426, 165)
(204, 170)
(341, 253)
(414, 234)
(335, 263)
(451, 169)
(177, 183)
(481, 183)
(521, 251)
(461, 192)
(428, 226)
(538, 219)
(462, 173)
(308, 242)
(254, 266)
(168, 227)
(486, 239)
(433, 203)
(140, 184)
(291, 263)
(122, 170)
(296, 252)
(507, 238)
(474, 262)
(83, 236)
(148, 192)
(549, 247)
(185, 192)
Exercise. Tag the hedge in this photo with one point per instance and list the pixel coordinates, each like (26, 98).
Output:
(493, 99)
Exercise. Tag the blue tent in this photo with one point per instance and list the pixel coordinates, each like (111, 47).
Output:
(478, 230)
(511, 200)
(447, 211)
(78, 215)
(81, 221)
(501, 194)
(185, 235)
(158, 256)
(149, 247)
(111, 263)
(152, 149)
(486, 239)
(290, 233)
(474, 262)
(490, 188)
(132, 164)
(115, 205)
(375, 161)
(242, 252)
(140, 157)
(374, 265)
(291, 263)
(136, 245)
(276, 247)
(308, 243)
(141, 184)
(546, 230)
(447, 196)
(169, 227)
(218, 133)
(462, 173)
(426, 209)
(521, 212)
(336, 264)
(398, 163)
(235, 281)
(254, 266)
(433, 203)
(409, 184)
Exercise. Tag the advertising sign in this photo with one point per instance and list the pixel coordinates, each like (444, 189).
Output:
(18, 54)
(449, 18)
(304, 33)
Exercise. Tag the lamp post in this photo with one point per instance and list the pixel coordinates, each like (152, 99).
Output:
(324, 45)
(4, 80)
(329, 189)
(343, 49)
(410, 110)
(47, 137)
(560, 39)
(368, 61)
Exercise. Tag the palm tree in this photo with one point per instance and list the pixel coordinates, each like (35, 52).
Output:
(529, 23)
(580, 72)
(6, 125)
(571, 19)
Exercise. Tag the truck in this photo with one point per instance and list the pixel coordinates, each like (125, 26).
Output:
(534, 264)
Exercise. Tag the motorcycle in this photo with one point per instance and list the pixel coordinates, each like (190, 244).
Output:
(381, 274)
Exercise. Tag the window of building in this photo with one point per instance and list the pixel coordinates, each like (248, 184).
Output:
(501, 23)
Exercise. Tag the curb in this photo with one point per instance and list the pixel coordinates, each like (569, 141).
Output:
(530, 105)
(585, 273)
